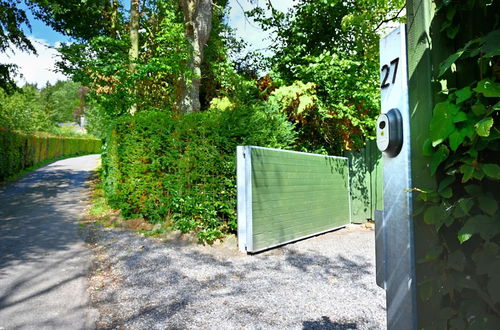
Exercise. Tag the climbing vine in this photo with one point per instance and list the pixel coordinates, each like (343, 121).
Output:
(464, 152)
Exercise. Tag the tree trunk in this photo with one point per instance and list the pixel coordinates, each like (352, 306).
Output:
(134, 43)
(198, 21)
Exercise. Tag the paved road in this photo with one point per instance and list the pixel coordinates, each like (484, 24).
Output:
(43, 261)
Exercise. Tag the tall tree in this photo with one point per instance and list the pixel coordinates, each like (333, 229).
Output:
(11, 34)
(198, 23)
(134, 44)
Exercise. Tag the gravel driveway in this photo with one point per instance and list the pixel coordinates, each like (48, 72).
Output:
(327, 282)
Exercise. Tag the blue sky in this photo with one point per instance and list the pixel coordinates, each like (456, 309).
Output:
(40, 69)
(39, 30)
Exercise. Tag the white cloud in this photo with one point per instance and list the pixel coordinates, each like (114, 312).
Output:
(36, 69)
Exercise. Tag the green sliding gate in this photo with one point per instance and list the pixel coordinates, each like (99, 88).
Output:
(284, 196)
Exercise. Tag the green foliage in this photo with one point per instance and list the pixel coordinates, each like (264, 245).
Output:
(102, 64)
(334, 45)
(60, 101)
(30, 110)
(464, 151)
(19, 151)
(182, 171)
(12, 34)
(22, 110)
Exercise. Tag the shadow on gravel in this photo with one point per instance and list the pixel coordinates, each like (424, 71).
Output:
(326, 324)
(171, 285)
(331, 266)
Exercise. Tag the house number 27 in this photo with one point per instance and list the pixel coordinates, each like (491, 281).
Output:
(386, 72)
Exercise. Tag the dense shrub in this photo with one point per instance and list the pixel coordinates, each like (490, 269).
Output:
(182, 171)
(19, 151)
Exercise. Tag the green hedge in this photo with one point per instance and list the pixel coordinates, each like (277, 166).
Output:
(182, 171)
(19, 151)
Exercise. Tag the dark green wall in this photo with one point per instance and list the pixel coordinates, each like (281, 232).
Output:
(366, 182)
(296, 195)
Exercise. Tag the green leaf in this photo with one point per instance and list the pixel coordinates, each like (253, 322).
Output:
(446, 192)
(436, 215)
(425, 290)
(479, 109)
(490, 44)
(427, 149)
(446, 64)
(459, 117)
(488, 204)
(487, 259)
(463, 94)
(438, 157)
(468, 172)
(442, 125)
(449, 179)
(465, 205)
(474, 190)
(434, 253)
(483, 225)
(457, 261)
(452, 31)
(488, 88)
(491, 170)
(483, 126)
(456, 138)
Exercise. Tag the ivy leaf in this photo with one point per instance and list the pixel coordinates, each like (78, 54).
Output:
(442, 125)
(436, 215)
(456, 138)
(456, 261)
(474, 190)
(487, 260)
(446, 65)
(463, 94)
(468, 172)
(438, 157)
(465, 205)
(488, 88)
(479, 109)
(496, 107)
(488, 204)
(460, 116)
(483, 225)
(427, 149)
(490, 44)
(491, 170)
(449, 179)
(434, 253)
(483, 126)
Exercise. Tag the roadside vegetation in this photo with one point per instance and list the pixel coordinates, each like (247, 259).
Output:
(171, 92)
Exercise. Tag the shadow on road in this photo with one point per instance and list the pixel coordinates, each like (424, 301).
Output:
(43, 261)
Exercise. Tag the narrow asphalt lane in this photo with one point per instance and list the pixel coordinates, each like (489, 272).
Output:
(43, 261)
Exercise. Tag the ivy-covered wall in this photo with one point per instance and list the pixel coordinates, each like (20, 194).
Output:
(453, 56)
(19, 151)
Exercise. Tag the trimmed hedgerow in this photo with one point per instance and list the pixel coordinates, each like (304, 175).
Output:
(183, 171)
(19, 151)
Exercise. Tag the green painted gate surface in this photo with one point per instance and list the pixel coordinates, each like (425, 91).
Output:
(291, 195)
(366, 182)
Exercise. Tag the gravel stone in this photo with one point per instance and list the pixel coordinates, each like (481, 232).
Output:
(325, 282)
